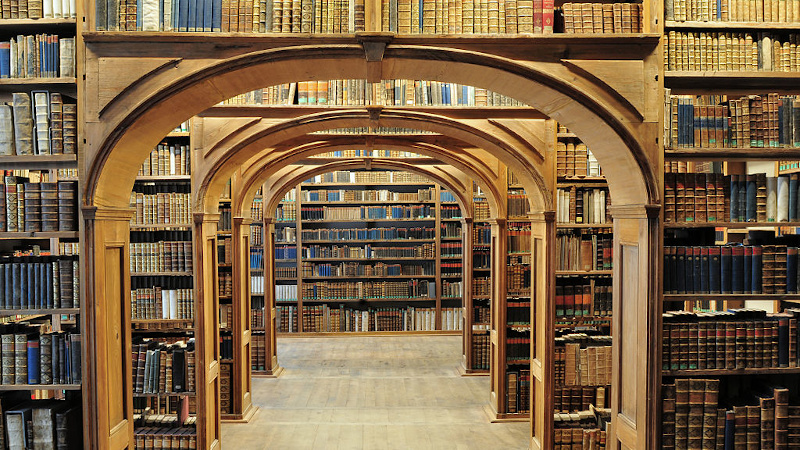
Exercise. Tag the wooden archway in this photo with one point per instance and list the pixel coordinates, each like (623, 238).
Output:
(134, 97)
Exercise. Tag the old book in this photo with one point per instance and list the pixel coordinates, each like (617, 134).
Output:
(67, 205)
(18, 427)
(33, 207)
(23, 123)
(70, 134)
(56, 124)
(7, 143)
(681, 413)
(20, 358)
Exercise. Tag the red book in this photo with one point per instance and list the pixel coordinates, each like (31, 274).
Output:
(538, 18)
(548, 8)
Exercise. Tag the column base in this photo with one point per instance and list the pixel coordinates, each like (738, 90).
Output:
(245, 417)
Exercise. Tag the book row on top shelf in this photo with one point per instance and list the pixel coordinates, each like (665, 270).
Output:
(765, 12)
(385, 93)
(38, 56)
(764, 51)
(40, 9)
(400, 16)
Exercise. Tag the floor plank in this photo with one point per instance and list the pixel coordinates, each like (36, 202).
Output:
(372, 392)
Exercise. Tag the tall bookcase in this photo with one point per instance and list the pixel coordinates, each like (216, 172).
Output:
(364, 227)
(162, 303)
(40, 319)
(583, 292)
(730, 233)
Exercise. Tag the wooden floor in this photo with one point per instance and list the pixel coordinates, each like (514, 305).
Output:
(398, 392)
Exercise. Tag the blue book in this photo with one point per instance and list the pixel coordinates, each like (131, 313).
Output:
(697, 273)
(793, 184)
(5, 59)
(726, 261)
(714, 269)
(216, 15)
(681, 269)
(704, 269)
(752, 191)
(198, 14)
(748, 268)
(187, 14)
(737, 269)
(33, 359)
(37, 285)
(48, 285)
(734, 198)
(138, 15)
(791, 270)
(207, 15)
(23, 284)
(783, 342)
(755, 284)
(730, 419)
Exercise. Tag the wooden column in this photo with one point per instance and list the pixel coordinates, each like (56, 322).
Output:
(543, 263)
(636, 364)
(270, 312)
(497, 360)
(466, 293)
(107, 382)
(206, 329)
(241, 400)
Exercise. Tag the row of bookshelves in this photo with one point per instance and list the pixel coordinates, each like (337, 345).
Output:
(327, 318)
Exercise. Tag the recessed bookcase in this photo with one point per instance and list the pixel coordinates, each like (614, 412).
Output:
(40, 319)
(731, 138)
(386, 233)
(162, 304)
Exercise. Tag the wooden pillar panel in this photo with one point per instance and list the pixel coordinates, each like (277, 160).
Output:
(270, 311)
(108, 385)
(634, 352)
(207, 330)
(241, 389)
(466, 292)
(498, 292)
(543, 234)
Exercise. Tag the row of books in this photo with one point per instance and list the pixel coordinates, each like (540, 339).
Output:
(481, 258)
(160, 438)
(31, 355)
(225, 222)
(285, 252)
(452, 289)
(731, 269)
(518, 391)
(446, 196)
(39, 282)
(368, 177)
(518, 312)
(394, 154)
(161, 256)
(163, 298)
(368, 251)
(283, 292)
(481, 351)
(725, 51)
(167, 159)
(256, 258)
(41, 424)
(258, 349)
(574, 159)
(450, 229)
(43, 126)
(225, 284)
(352, 269)
(224, 250)
(518, 349)
(365, 195)
(481, 286)
(225, 382)
(482, 234)
(518, 274)
(585, 298)
(732, 11)
(284, 234)
(736, 339)
(582, 360)
(481, 315)
(325, 318)
(480, 209)
(257, 210)
(352, 290)
(602, 18)
(226, 346)
(165, 208)
(517, 203)
(367, 212)
(578, 438)
(360, 234)
(694, 415)
(717, 121)
(583, 205)
(286, 212)
(451, 268)
(38, 206)
(163, 368)
(583, 250)
(286, 272)
(579, 398)
(44, 9)
(451, 249)
(450, 212)
(37, 56)
(518, 237)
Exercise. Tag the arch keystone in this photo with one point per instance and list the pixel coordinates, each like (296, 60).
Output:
(374, 44)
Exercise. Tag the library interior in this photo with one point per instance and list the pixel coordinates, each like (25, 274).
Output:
(297, 224)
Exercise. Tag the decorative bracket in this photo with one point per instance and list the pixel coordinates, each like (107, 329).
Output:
(374, 112)
(374, 44)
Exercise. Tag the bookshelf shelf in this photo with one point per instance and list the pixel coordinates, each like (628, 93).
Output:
(359, 202)
(566, 135)
(39, 235)
(40, 387)
(451, 257)
(371, 299)
(420, 219)
(164, 178)
(452, 238)
(28, 82)
(584, 225)
(584, 184)
(672, 24)
(178, 134)
(39, 161)
(582, 272)
(730, 224)
(582, 179)
(368, 241)
(16, 312)
(731, 372)
(161, 274)
(160, 226)
(373, 277)
(8, 23)
(731, 154)
(705, 297)
(717, 81)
